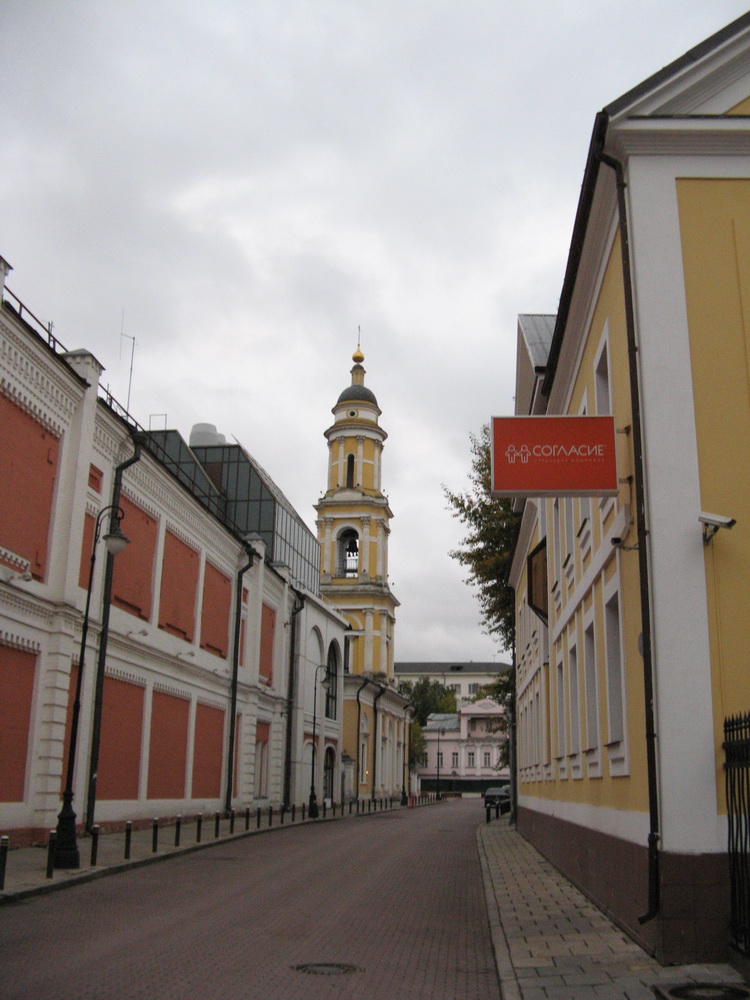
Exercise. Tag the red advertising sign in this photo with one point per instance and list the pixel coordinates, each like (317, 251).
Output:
(553, 456)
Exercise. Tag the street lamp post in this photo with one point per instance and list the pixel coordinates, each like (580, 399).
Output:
(441, 732)
(407, 751)
(312, 806)
(66, 845)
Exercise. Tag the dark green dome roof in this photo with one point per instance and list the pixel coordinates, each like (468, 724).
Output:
(357, 393)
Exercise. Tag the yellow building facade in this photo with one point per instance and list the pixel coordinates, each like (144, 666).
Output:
(353, 530)
(631, 611)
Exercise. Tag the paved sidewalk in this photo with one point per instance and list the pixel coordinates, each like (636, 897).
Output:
(26, 867)
(551, 943)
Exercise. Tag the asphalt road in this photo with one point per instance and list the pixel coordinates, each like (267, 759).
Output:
(383, 906)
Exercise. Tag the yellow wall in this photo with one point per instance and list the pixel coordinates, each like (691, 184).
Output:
(337, 471)
(715, 233)
(743, 108)
(605, 790)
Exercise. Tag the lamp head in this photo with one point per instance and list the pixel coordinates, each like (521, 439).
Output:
(115, 540)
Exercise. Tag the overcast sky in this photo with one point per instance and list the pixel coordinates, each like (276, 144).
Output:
(248, 181)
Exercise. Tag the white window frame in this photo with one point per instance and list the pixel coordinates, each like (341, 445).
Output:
(614, 672)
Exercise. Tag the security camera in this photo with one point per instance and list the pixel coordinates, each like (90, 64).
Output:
(711, 524)
(717, 521)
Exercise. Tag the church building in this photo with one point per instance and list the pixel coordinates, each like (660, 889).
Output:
(353, 529)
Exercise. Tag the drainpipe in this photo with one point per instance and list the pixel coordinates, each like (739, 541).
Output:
(139, 440)
(378, 696)
(252, 555)
(361, 688)
(642, 534)
(299, 604)
(512, 756)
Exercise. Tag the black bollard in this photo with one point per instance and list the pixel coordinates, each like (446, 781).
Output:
(177, 831)
(51, 853)
(294, 811)
(489, 813)
(247, 817)
(94, 844)
(303, 812)
(155, 835)
(270, 815)
(324, 808)
(3, 860)
(128, 838)
(497, 810)
(217, 818)
(281, 815)
(231, 820)
(257, 820)
(198, 828)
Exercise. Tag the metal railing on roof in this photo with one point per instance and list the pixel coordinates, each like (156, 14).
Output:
(27, 316)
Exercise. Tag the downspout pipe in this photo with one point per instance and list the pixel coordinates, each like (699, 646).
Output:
(252, 556)
(360, 689)
(139, 440)
(377, 698)
(291, 692)
(643, 553)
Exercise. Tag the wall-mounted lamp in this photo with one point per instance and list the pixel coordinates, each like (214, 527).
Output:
(711, 524)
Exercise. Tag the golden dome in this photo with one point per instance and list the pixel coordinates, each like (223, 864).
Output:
(358, 357)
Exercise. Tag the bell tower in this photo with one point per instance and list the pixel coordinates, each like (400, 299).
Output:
(353, 529)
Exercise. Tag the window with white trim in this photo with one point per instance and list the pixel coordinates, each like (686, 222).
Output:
(592, 701)
(561, 734)
(575, 712)
(614, 669)
(601, 382)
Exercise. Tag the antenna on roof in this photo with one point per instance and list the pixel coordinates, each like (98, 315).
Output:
(132, 353)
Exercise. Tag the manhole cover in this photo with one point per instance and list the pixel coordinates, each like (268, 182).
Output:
(702, 991)
(326, 968)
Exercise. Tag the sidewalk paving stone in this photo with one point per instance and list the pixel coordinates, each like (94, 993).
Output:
(551, 943)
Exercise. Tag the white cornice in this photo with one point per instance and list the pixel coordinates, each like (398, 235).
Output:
(36, 381)
(699, 136)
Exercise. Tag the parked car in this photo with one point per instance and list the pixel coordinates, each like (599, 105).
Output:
(499, 795)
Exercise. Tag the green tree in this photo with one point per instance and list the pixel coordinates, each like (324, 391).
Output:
(486, 549)
(417, 745)
(500, 689)
(427, 697)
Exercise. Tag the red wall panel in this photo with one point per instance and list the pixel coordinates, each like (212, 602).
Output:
(267, 631)
(217, 596)
(133, 572)
(120, 748)
(179, 584)
(208, 747)
(28, 459)
(168, 746)
(16, 693)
